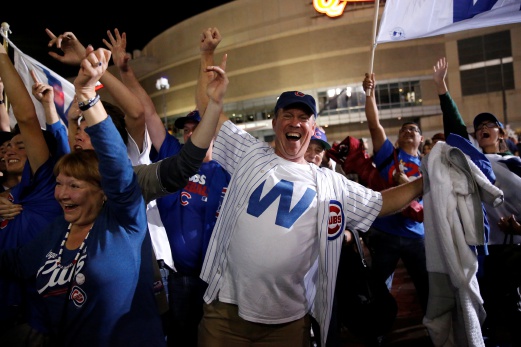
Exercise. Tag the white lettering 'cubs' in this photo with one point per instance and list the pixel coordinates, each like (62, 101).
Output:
(201, 179)
(335, 221)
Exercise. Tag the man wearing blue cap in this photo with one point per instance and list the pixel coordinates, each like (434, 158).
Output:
(273, 256)
(317, 149)
(188, 123)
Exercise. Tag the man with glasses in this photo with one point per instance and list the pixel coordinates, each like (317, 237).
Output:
(396, 237)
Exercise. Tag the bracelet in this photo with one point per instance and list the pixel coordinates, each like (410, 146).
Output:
(1, 102)
(85, 105)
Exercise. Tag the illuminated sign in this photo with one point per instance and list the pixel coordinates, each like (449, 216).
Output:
(333, 8)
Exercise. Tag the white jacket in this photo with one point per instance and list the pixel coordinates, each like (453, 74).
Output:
(454, 188)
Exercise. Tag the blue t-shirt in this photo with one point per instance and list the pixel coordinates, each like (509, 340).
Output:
(398, 224)
(189, 215)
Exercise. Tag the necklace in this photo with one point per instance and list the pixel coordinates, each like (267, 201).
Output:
(63, 245)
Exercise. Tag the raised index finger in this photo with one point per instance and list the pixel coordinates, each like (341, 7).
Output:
(50, 33)
(34, 76)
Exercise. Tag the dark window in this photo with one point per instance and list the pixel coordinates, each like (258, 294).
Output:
(488, 79)
(492, 54)
(394, 93)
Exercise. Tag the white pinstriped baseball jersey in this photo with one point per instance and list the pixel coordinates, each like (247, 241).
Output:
(341, 204)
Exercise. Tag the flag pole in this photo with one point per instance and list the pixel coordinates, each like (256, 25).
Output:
(373, 42)
(6, 31)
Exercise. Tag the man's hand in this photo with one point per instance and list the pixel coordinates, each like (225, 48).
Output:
(8, 210)
(73, 50)
(509, 225)
(44, 93)
(118, 47)
(91, 69)
(400, 178)
(439, 74)
(210, 38)
(368, 82)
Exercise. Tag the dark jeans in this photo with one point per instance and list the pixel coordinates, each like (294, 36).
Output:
(185, 300)
(387, 249)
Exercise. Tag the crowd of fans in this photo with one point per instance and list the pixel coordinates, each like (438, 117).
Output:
(114, 233)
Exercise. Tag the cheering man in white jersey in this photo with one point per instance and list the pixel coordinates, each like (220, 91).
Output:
(273, 256)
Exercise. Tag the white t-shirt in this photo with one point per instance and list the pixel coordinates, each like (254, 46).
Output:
(274, 280)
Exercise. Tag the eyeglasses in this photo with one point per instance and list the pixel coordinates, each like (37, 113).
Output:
(411, 129)
(489, 125)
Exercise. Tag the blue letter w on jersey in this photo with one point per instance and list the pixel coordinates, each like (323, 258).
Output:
(285, 216)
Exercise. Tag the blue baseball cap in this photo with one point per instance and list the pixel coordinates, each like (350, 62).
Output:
(320, 136)
(295, 97)
(480, 118)
(193, 116)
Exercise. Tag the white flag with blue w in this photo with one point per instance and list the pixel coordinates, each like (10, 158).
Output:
(412, 19)
(63, 89)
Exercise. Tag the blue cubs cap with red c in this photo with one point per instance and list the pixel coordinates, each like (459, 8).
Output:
(295, 97)
(320, 136)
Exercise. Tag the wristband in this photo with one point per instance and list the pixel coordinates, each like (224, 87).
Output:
(1, 102)
(85, 105)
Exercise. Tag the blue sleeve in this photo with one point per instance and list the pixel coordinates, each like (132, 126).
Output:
(385, 151)
(59, 131)
(118, 180)
(381, 156)
(170, 146)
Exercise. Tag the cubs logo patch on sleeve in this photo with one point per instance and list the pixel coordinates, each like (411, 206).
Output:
(336, 224)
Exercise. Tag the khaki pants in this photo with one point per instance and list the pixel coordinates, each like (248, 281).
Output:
(221, 326)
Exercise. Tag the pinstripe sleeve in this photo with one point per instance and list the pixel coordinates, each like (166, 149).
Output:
(231, 145)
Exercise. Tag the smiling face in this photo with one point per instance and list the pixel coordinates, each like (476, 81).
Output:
(78, 187)
(293, 128)
(15, 155)
(80, 200)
